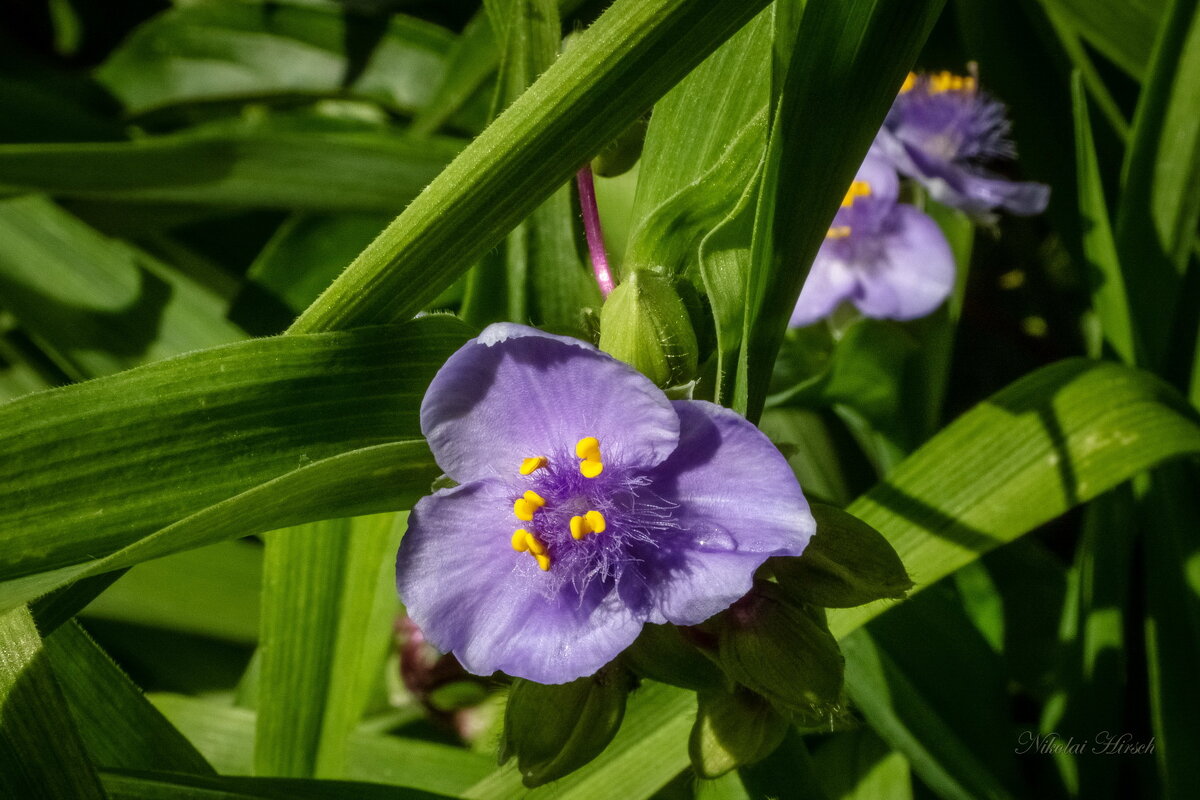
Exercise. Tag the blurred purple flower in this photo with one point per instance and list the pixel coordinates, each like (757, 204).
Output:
(941, 131)
(888, 259)
(589, 505)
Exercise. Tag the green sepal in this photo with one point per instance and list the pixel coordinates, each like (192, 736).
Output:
(663, 653)
(645, 324)
(554, 730)
(732, 730)
(783, 650)
(847, 563)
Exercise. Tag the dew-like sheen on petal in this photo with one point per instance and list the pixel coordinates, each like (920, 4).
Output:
(738, 504)
(516, 392)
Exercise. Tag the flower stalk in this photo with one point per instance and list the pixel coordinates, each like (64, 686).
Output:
(593, 231)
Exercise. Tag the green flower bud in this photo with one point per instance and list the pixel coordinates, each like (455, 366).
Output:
(846, 564)
(663, 654)
(732, 730)
(554, 730)
(783, 650)
(645, 324)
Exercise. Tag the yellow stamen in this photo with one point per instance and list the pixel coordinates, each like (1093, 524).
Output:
(838, 232)
(520, 540)
(857, 189)
(910, 82)
(591, 522)
(949, 82)
(524, 507)
(532, 465)
(588, 449)
(525, 542)
(595, 521)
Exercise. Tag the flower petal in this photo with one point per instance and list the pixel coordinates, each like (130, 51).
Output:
(915, 272)
(516, 392)
(738, 504)
(473, 595)
(830, 281)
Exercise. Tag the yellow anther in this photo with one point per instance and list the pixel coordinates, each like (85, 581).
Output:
(588, 448)
(591, 522)
(949, 82)
(532, 465)
(525, 542)
(910, 82)
(520, 540)
(595, 521)
(524, 507)
(857, 189)
(838, 232)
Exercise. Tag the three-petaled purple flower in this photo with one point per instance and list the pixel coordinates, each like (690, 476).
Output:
(941, 131)
(890, 260)
(589, 504)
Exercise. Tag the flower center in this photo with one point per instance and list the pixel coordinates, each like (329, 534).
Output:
(857, 189)
(525, 507)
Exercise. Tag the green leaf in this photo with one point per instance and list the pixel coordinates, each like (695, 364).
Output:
(859, 49)
(170, 786)
(304, 256)
(924, 709)
(1109, 295)
(541, 252)
(626, 60)
(301, 163)
(1159, 209)
(225, 735)
(897, 712)
(470, 61)
(1171, 515)
(245, 51)
(648, 751)
(41, 755)
(117, 724)
(158, 444)
(1123, 30)
(212, 591)
(858, 765)
(329, 603)
(1092, 659)
(96, 304)
(1056, 438)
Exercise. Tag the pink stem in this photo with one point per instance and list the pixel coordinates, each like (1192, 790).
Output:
(591, 227)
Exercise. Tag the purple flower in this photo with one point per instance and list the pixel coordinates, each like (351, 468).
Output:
(888, 259)
(941, 130)
(588, 505)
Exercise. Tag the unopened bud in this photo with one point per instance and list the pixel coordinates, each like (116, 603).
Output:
(663, 653)
(732, 730)
(645, 324)
(847, 563)
(556, 729)
(783, 650)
